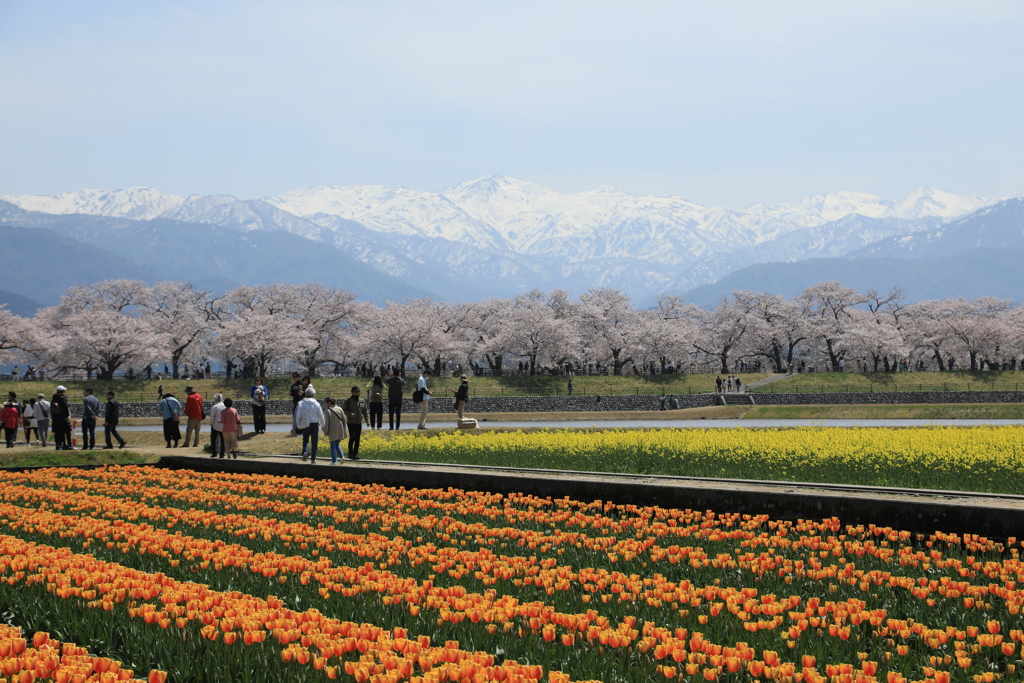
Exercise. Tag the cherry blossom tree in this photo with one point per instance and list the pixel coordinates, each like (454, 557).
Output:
(182, 313)
(98, 339)
(671, 330)
(489, 328)
(327, 315)
(535, 332)
(259, 339)
(608, 326)
(16, 336)
(827, 307)
(777, 328)
(724, 329)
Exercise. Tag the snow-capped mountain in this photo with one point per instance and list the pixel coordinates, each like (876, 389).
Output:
(135, 202)
(514, 234)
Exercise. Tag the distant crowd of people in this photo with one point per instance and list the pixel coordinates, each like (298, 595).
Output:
(38, 417)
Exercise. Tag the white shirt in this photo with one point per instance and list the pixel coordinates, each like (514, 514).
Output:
(307, 412)
(421, 383)
(215, 420)
(42, 410)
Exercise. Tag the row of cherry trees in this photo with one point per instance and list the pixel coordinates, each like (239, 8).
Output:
(118, 325)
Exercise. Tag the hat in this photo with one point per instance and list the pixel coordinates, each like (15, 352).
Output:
(463, 378)
(41, 396)
(61, 388)
(188, 389)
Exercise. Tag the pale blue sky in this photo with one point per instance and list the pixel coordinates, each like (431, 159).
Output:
(725, 103)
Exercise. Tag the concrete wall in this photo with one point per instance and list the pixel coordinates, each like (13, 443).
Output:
(901, 512)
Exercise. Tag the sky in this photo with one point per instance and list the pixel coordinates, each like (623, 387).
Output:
(723, 103)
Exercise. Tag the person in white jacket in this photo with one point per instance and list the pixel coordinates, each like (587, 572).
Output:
(217, 427)
(308, 416)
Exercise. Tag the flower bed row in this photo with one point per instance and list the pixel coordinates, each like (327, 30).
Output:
(277, 578)
(967, 459)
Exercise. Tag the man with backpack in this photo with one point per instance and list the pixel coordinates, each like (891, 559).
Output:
(60, 413)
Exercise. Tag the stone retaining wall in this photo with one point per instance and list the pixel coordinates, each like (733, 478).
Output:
(576, 404)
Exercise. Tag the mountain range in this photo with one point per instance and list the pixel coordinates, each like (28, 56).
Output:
(497, 236)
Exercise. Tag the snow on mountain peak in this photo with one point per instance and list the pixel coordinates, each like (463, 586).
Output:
(506, 214)
(134, 202)
(497, 200)
(928, 202)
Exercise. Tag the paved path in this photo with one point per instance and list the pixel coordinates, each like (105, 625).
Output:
(767, 380)
(682, 424)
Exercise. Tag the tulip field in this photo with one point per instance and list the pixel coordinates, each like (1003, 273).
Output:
(236, 577)
(961, 458)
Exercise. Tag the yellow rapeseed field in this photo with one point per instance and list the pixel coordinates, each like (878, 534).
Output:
(974, 458)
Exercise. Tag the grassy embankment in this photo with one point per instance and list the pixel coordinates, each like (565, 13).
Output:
(958, 380)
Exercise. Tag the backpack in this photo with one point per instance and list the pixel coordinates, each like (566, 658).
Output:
(417, 396)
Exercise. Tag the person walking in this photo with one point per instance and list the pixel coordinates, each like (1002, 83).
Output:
(425, 394)
(296, 392)
(259, 395)
(738, 384)
(42, 419)
(170, 410)
(230, 421)
(396, 385)
(334, 429)
(461, 397)
(216, 427)
(308, 417)
(194, 414)
(111, 418)
(60, 413)
(355, 414)
(376, 402)
(90, 411)
(718, 384)
(10, 418)
(28, 421)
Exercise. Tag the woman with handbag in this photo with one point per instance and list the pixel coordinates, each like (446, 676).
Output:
(232, 425)
(170, 410)
(334, 429)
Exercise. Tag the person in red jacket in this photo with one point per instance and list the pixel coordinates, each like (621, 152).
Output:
(10, 417)
(194, 413)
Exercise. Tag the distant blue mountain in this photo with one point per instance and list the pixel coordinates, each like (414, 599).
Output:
(97, 248)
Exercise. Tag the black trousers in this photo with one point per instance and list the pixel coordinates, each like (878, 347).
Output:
(259, 419)
(112, 432)
(216, 438)
(88, 433)
(394, 413)
(11, 435)
(376, 415)
(354, 432)
(62, 435)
